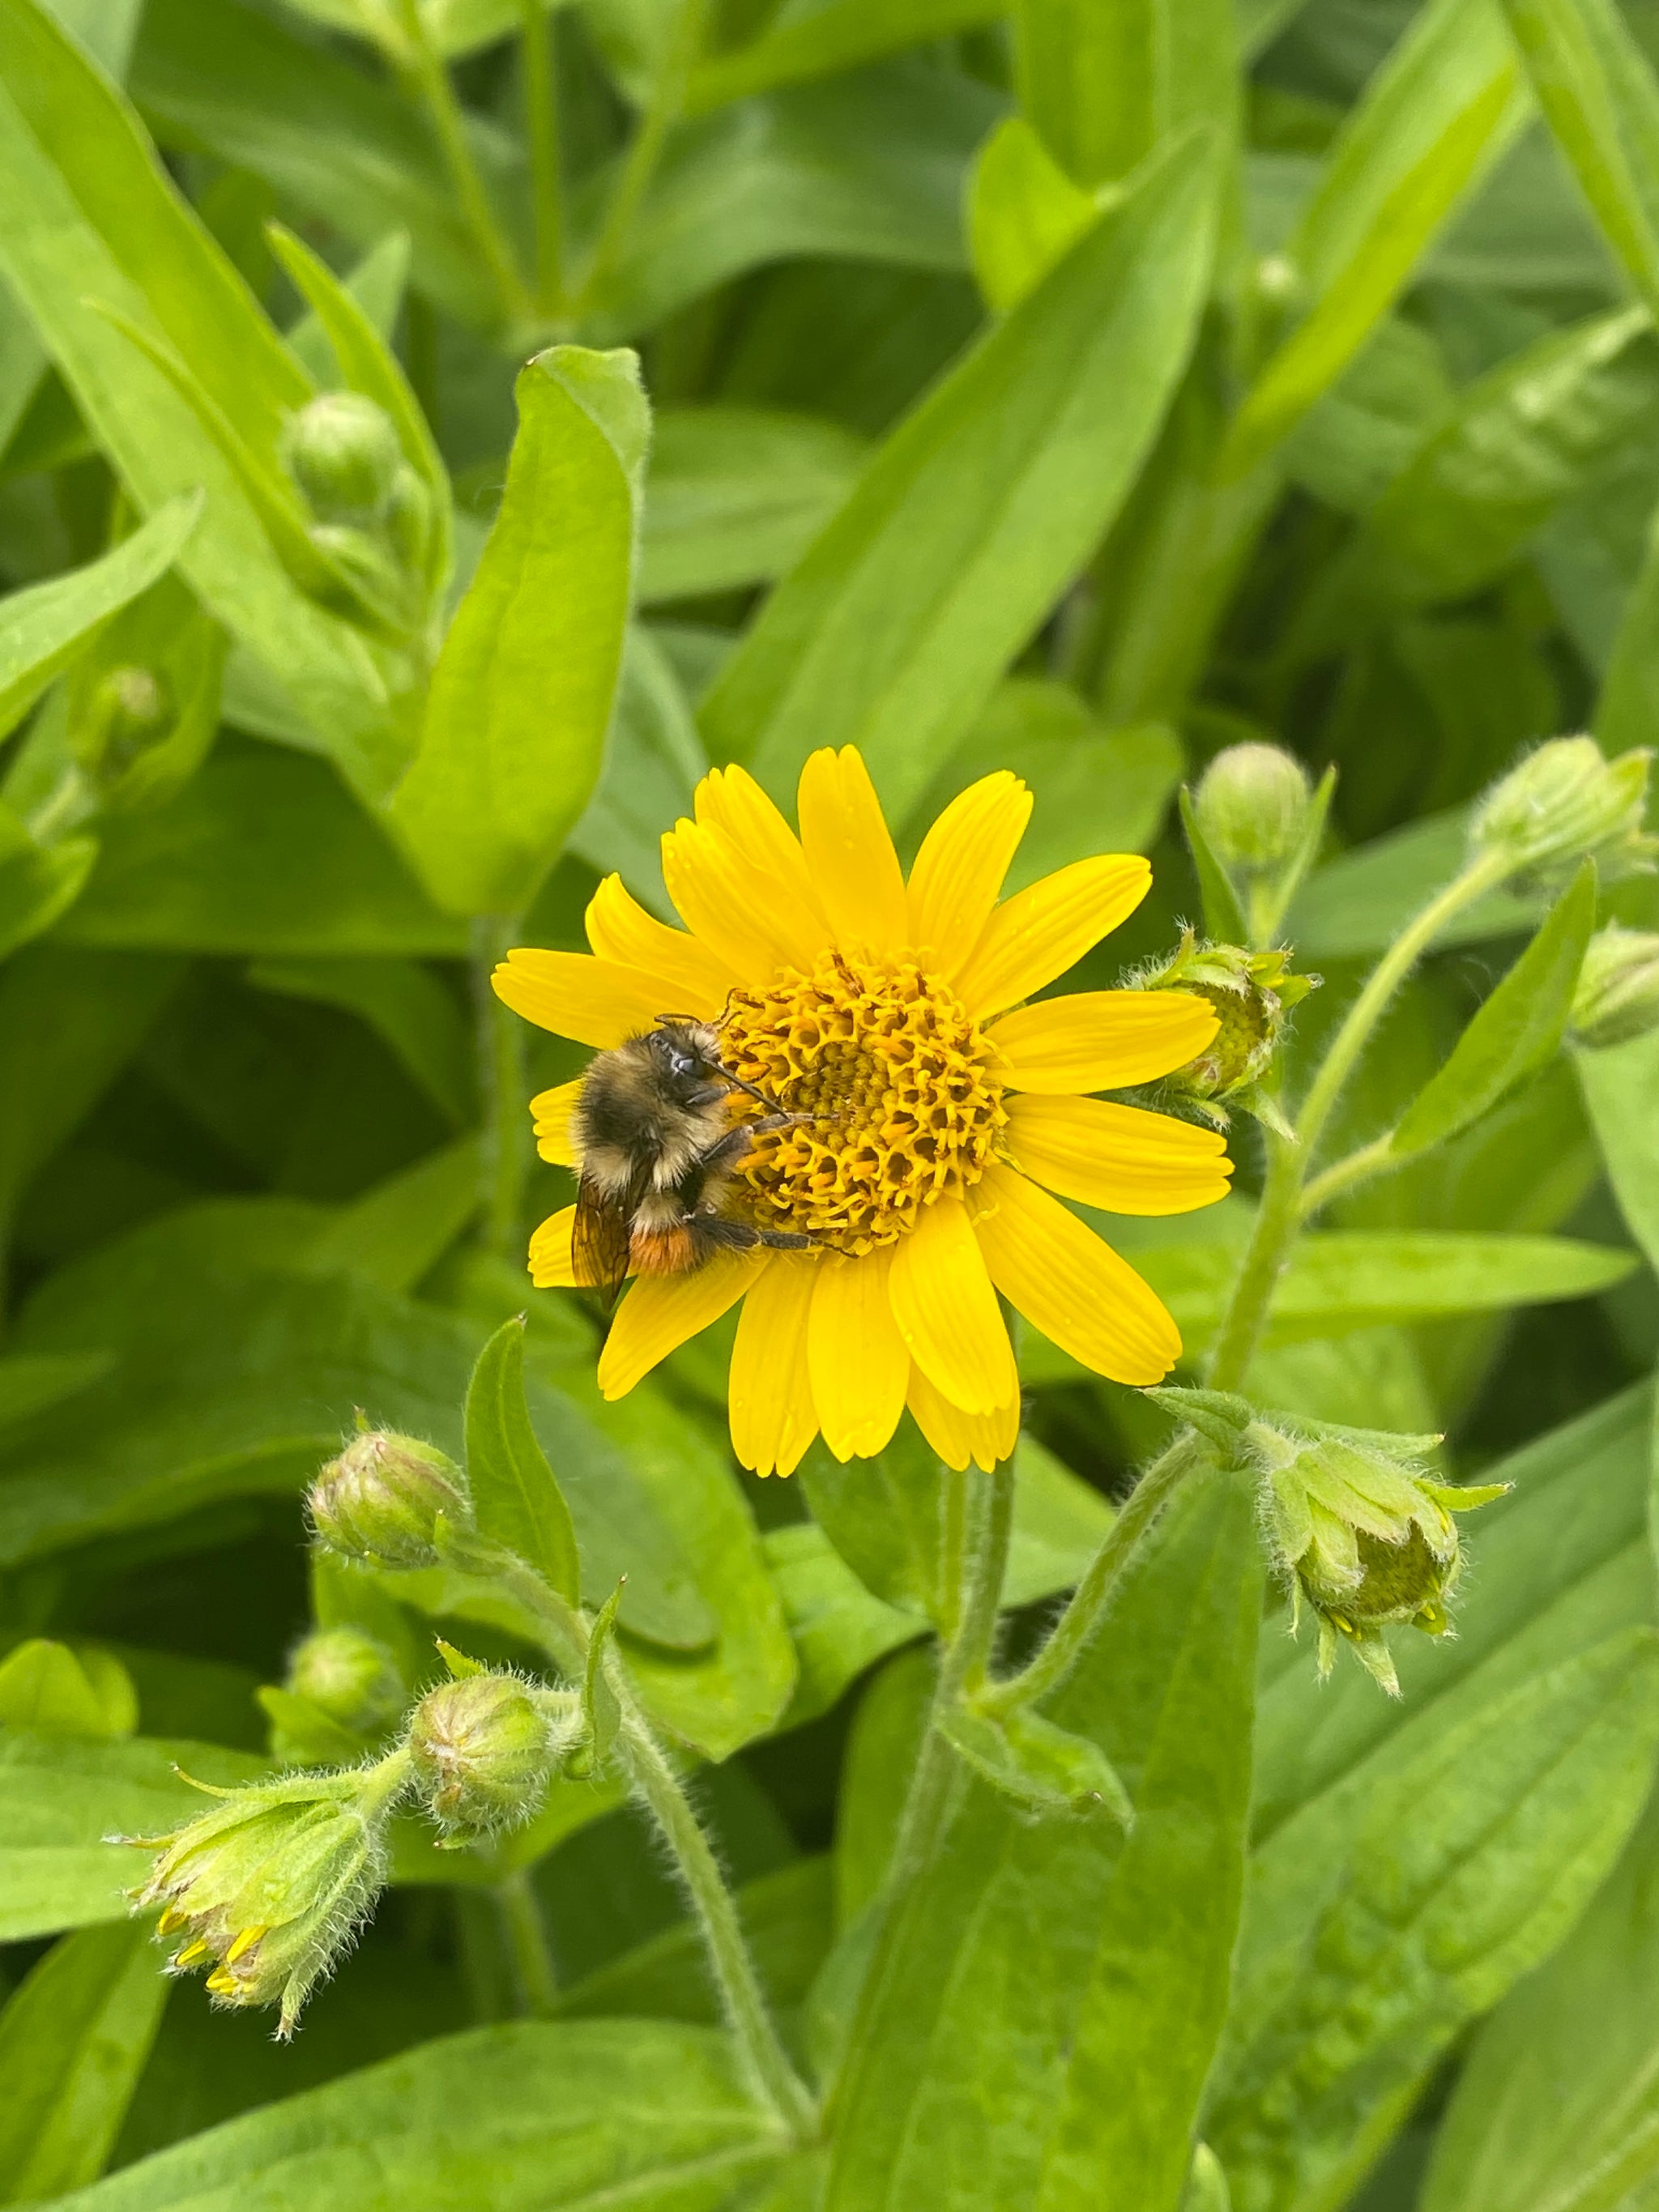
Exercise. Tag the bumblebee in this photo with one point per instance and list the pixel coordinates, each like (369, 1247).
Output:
(657, 1147)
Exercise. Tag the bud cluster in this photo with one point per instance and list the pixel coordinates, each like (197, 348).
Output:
(1251, 993)
(372, 514)
(1565, 804)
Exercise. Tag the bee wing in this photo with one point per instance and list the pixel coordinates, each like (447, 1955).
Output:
(599, 1241)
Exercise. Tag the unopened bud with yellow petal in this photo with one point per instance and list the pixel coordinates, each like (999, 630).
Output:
(268, 1888)
(486, 1747)
(1364, 1535)
(1251, 993)
(1562, 804)
(388, 1498)
(1617, 994)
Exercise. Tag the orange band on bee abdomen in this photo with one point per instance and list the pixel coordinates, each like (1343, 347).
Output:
(662, 1251)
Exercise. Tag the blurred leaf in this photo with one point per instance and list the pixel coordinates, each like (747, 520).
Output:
(1516, 1030)
(839, 34)
(263, 854)
(1358, 904)
(396, 1233)
(1599, 96)
(837, 1628)
(1443, 107)
(886, 1736)
(74, 2037)
(652, 762)
(377, 285)
(1356, 440)
(1223, 917)
(48, 1688)
(1465, 1873)
(61, 1802)
(39, 884)
(735, 494)
(1619, 1085)
(515, 1494)
(963, 530)
(567, 2112)
(1104, 87)
(404, 1003)
(521, 695)
(1555, 2104)
(94, 218)
(42, 630)
(1064, 1978)
(1024, 213)
(30, 1385)
(165, 633)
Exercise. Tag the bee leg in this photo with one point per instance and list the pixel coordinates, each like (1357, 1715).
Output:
(713, 1232)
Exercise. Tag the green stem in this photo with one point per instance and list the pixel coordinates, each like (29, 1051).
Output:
(444, 111)
(663, 105)
(1276, 1219)
(541, 99)
(1359, 1166)
(566, 1634)
(527, 1933)
(1090, 1602)
(502, 1085)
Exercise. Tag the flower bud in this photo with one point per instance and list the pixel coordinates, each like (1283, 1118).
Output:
(350, 1676)
(1366, 1539)
(343, 452)
(485, 1749)
(1562, 804)
(1618, 994)
(409, 519)
(1251, 993)
(1252, 806)
(365, 561)
(387, 1498)
(269, 1888)
(130, 710)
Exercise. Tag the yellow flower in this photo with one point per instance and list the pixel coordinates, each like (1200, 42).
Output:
(945, 1111)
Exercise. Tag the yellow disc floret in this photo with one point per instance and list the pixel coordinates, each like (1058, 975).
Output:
(897, 1081)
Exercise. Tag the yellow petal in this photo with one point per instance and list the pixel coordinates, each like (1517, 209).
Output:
(956, 1437)
(947, 1312)
(551, 1265)
(772, 1420)
(1042, 931)
(854, 869)
(958, 873)
(597, 1002)
(1118, 1158)
(1101, 1040)
(661, 1311)
(855, 1356)
(729, 902)
(620, 929)
(1069, 1284)
(552, 1109)
(730, 800)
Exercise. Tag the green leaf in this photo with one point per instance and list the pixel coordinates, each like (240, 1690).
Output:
(521, 696)
(967, 523)
(1358, 904)
(1102, 87)
(515, 1494)
(1598, 93)
(1025, 214)
(735, 495)
(396, 1232)
(1619, 1087)
(556, 2114)
(652, 766)
(39, 884)
(47, 1687)
(601, 1711)
(1519, 1028)
(1223, 917)
(889, 1727)
(1444, 106)
(406, 1005)
(1047, 1771)
(42, 630)
(164, 632)
(74, 2037)
(839, 35)
(837, 1628)
(1040, 2013)
(1464, 1873)
(1555, 2104)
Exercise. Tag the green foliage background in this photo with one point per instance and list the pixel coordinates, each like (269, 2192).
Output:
(1078, 388)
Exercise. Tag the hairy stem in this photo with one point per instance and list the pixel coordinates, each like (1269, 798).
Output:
(504, 1150)
(526, 1934)
(444, 111)
(541, 99)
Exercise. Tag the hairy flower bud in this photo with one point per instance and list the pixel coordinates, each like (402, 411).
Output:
(1252, 806)
(343, 452)
(387, 1497)
(1366, 1538)
(128, 711)
(485, 1749)
(1251, 993)
(1617, 994)
(269, 1888)
(1565, 804)
(350, 1676)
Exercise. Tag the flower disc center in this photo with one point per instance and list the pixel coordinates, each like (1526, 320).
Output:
(895, 1078)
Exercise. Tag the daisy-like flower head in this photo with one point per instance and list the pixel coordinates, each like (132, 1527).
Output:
(941, 1110)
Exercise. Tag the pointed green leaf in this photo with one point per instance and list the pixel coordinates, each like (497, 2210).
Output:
(1047, 1770)
(601, 1709)
(515, 1494)
(1223, 917)
(1104, 85)
(521, 696)
(1025, 214)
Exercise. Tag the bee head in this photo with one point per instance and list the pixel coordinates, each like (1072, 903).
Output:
(685, 1051)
